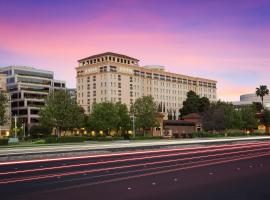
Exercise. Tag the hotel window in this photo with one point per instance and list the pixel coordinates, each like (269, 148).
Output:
(94, 93)
(94, 78)
(119, 85)
(119, 77)
(94, 86)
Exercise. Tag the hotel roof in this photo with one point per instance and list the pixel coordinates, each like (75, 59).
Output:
(108, 54)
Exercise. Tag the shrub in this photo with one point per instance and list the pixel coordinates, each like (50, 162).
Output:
(65, 139)
(3, 141)
(68, 139)
(50, 140)
(38, 131)
(146, 137)
(39, 142)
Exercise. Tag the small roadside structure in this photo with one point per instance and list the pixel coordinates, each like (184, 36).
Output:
(178, 128)
(196, 118)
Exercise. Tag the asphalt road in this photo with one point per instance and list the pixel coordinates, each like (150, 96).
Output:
(229, 171)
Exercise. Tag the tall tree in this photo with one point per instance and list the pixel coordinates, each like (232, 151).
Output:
(266, 120)
(261, 92)
(3, 104)
(191, 104)
(144, 110)
(194, 104)
(124, 122)
(250, 122)
(258, 106)
(61, 112)
(104, 117)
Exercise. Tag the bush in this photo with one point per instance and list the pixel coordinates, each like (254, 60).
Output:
(206, 135)
(38, 131)
(3, 141)
(104, 138)
(68, 139)
(39, 142)
(65, 139)
(50, 140)
(146, 137)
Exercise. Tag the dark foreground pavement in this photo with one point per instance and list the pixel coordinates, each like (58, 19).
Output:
(234, 171)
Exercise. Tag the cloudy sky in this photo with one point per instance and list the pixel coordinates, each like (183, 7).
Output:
(225, 40)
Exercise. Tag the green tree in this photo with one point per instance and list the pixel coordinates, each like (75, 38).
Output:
(266, 120)
(191, 104)
(103, 117)
(3, 102)
(221, 116)
(250, 122)
(145, 110)
(124, 120)
(38, 131)
(61, 112)
(204, 104)
(258, 106)
(261, 92)
(194, 104)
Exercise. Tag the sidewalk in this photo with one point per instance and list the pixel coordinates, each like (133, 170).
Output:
(19, 153)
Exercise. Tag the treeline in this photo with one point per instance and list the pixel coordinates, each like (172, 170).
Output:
(64, 114)
(220, 116)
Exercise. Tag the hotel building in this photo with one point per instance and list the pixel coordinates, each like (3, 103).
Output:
(115, 77)
(28, 88)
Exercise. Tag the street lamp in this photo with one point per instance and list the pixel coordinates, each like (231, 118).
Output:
(133, 123)
(15, 122)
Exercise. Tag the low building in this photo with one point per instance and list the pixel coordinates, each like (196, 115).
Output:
(195, 118)
(178, 128)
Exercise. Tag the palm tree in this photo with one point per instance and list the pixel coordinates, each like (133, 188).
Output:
(262, 91)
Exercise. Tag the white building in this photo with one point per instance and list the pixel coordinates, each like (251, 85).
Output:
(115, 77)
(248, 99)
(28, 87)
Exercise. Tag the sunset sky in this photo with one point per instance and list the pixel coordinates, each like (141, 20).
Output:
(224, 40)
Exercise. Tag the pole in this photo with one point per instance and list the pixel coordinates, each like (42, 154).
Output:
(15, 119)
(23, 125)
(133, 120)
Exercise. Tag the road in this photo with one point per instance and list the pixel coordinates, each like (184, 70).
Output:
(228, 171)
(58, 150)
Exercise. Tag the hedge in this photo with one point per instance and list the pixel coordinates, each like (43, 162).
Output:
(66, 139)
(3, 141)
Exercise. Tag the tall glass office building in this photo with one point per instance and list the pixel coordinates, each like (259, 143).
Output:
(28, 87)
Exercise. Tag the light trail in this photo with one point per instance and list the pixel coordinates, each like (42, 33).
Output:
(127, 166)
(159, 172)
(122, 154)
(131, 159)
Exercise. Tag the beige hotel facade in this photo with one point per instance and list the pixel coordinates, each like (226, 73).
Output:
(115, 77)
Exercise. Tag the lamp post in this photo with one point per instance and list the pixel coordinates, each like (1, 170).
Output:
(15, 122)
(23, 128)
(133, 121)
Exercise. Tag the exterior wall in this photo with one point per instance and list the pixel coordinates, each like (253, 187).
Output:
(114, 77)
(179, 131)
(248, 99)
(28, 87)
(4, 129)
